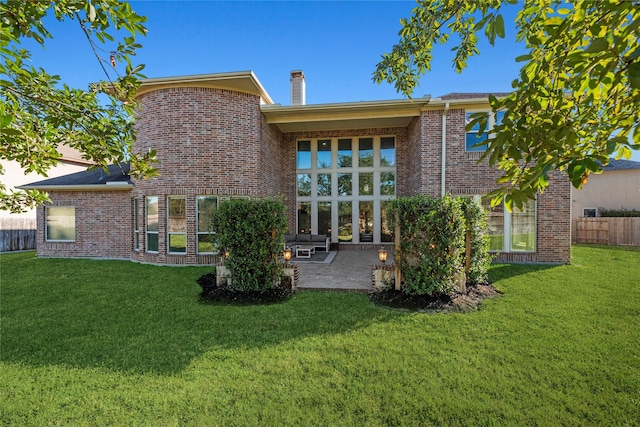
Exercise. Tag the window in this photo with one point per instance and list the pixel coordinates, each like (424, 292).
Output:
(387, 151)
(177, 224)
(304, 217)
(324, 184)
(365, 152)
(324, 153)
(152, 224)
(474, 142)
(345, 153)
(344, 184)
(324, 218)
(304, 184)
(511, 232)
(136, 227)
(304, 155)
(345, 225)
(365, 184)
(61, 223)
(523, 228)
(589, 212)
(206, 238)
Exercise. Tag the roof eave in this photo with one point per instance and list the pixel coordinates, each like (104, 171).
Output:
(241, 81)
(87, 187)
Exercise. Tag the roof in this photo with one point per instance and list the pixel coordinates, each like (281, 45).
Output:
(90, 180)
(239, 81)
(472, 95)
(619, 165)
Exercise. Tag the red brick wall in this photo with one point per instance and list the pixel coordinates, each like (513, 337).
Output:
(209, 142)
(465, 176)
(103, 225)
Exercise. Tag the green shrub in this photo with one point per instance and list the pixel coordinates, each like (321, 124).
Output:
(481, 258)
(252, 231)
(618, 212)
(432, 242)
(432, 232)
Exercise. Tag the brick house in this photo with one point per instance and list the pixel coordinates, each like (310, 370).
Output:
(220, 136)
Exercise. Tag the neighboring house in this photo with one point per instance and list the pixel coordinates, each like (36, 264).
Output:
(220, 136)
(16, 230)
(617, 187)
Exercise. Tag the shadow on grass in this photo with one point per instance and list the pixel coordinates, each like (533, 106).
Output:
(140, 318)
(506, 271)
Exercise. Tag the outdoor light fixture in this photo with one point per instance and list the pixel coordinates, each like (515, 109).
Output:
(382, 255)
(226, 253)
(287, 254)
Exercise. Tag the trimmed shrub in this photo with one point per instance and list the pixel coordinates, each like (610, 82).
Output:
(432, 233)
(432, 254)
(624, 213)
(481, 258)
(252, 231)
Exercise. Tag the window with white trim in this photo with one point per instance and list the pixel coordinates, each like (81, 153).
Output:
(61, 223)
(136, 226)
(589, 212)
(151, 224)
(475, 142)
(177, 224)
(207, 205)
(342, 186)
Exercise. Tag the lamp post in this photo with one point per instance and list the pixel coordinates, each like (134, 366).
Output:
(382, 255)
(287, 254)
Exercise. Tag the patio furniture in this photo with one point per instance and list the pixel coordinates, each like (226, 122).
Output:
(318, 241)
(305, 251)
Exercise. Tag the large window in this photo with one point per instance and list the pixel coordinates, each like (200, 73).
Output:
(152, 224)
(61, 223)
(177, 224)
(342, 186)
(207, 205)
(477, 142)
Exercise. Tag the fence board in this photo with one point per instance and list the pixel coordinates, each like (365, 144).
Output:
(17, 234)
(608, 231)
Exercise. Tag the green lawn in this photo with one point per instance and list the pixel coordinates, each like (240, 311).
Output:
(117, 343)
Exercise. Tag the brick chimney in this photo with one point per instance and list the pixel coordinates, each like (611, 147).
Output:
(298, 88)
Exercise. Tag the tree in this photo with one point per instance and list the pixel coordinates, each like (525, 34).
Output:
(38, 114)
(575, 102)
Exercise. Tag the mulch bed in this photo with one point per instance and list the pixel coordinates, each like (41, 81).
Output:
(212, 293)
(470, 301)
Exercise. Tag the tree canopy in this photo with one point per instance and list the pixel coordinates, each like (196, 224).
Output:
(576, 100)
(39, 113)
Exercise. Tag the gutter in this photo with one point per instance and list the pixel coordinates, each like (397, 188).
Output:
(444, 149)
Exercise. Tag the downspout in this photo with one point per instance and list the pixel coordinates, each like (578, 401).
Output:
(444, 149)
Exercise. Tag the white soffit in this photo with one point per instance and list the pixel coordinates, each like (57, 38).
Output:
(349, 115)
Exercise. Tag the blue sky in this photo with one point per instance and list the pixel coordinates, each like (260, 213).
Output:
(336, 43)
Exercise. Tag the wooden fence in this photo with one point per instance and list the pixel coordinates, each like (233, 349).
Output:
(17, 234)
(607, 231)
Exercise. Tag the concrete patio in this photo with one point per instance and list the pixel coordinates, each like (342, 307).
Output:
(349, 271)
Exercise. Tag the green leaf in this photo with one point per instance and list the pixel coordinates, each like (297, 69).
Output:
(633, 72)
(499, 24)
(597, 45)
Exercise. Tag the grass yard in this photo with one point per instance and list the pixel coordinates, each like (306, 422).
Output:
(117, 343)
